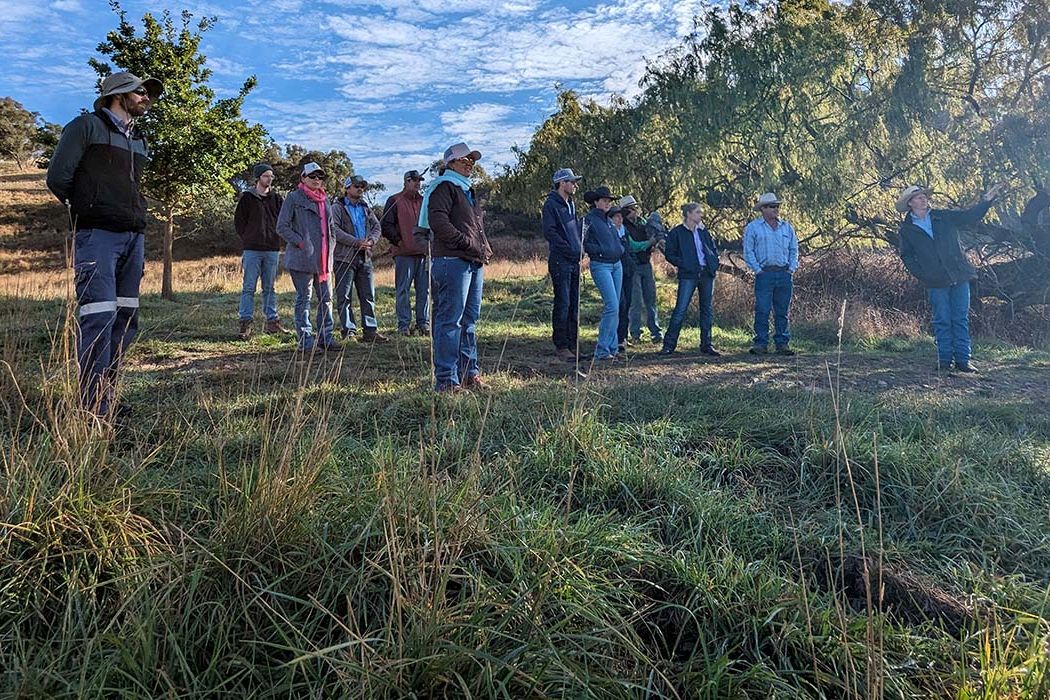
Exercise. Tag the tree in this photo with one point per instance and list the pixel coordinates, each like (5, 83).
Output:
(198, 143)
(18, 130)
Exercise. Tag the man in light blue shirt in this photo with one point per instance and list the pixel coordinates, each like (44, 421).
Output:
(771, 251)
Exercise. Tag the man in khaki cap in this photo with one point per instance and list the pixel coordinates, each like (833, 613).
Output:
(95, 171)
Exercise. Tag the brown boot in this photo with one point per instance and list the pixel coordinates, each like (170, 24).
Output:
(275, 328)
(373, 337)
(245, 331)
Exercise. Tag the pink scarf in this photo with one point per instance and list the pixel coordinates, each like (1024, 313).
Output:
(320, 199)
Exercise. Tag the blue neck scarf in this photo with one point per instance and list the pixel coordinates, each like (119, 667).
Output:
(448, 176)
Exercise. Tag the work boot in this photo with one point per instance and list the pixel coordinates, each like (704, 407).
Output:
(245, 331)
(785, 350)
(475, 383)
(373, 337)
(274, 327)
(758, 350)
(965, 367)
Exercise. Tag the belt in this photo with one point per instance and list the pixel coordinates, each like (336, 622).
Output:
(774, 268)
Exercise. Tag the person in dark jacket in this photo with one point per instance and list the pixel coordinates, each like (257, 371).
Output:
(452, 213)
(691, 248)
(255, 221)
(411, 265)
(603, 246)
(641, 240)
(96, 170)
(356, 230)
(561, 228)
(930, 250)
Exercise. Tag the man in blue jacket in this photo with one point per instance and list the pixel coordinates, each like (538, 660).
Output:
(561, 228)
(692, 250)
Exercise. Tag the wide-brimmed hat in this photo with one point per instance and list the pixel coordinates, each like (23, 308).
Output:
(627, 201)
(460, 150)
(765, 200)
(906, 194)
(600, 192)
(123, 82)
(565, 175)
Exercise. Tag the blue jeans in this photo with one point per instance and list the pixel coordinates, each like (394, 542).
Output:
(411, 270)
(772, 292)
(565, 313)
(644, 292)
(356, 274)
(705, 289)
(951, 322)
(608, 278)
(305, 282)
(107, 268)
(457, 306)
(259, 264)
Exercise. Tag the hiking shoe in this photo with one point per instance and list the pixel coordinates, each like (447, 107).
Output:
(784, 350)
(475, 383)
(450, 389)
(758, 350)
(709, 350)
(245, 330)
(566, 354)
(966, 368)
(373, 337)
(274, 327)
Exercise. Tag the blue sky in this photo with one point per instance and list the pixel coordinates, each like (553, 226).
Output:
(391, 82)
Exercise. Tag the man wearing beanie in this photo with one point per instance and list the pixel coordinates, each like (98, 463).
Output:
(256, 223)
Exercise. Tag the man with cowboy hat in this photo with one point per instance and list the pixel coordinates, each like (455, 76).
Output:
(930, 250)
(771, 252)
(96, 170)
(561, 228)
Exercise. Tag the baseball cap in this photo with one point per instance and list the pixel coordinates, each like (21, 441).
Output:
(311, 168)
(460, 150)
(354, 180)
(413, 175)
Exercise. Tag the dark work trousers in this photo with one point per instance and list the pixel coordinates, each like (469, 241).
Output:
(626, 292)
(357, 274)
(565, 314)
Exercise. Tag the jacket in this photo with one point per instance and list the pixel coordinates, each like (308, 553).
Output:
(348, 246)
(561, 228)
(299, 223)
(398, 224)
(681, 252)
(255, 220)
(636, 230)
(458, 225)
(939, 261)
(600, 239)
(97, 170)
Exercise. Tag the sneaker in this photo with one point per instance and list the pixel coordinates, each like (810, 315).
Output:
(758, 350)
(274, 327)
(373, 337)
(475, 383)
(966, 368)
(709, 350)
(245, 330)
(785, 350)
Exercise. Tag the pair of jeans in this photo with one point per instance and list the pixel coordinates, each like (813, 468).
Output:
(457, 305)
(951, 322)
(305, 283)
(644, 292)
(772, 292)
(356, 274)
(411, 270)
(108, 270)
(259, 264)
(608, 278)
(626, 289)
(565, 314)
(704, 286)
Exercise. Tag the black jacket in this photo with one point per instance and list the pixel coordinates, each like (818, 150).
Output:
(255, 220)
(600, 239)
(680, 251)
(97, 169)
(939, 261)
(636, 230)
(561, 228)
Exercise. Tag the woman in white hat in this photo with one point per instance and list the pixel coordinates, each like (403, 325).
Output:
(930, 250)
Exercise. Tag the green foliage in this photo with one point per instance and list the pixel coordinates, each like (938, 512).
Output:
(24, 136)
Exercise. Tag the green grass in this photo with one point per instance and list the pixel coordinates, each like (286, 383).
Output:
(274, 528)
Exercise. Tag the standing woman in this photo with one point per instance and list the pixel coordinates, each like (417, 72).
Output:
(304, 224)
(602, 244)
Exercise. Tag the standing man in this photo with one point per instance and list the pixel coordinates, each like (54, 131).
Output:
(691, 248)
(643, 290)
(460, 250)
(96, 171)
(930, 250)
(400, 215)
(771, 251)
(256, 223)
(561, 228)
(356, 231)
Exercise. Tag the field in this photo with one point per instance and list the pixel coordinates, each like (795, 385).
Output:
(840, 524)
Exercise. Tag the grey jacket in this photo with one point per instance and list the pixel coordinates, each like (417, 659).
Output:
(299, 223)
(348, 246)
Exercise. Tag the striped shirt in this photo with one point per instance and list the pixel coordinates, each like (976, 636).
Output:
(765, 246)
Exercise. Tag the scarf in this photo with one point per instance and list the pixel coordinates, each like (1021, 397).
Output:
(448, 176)
(319, 198)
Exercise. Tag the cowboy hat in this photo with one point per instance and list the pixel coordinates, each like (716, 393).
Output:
(765, 200)
(906, 194)
(600, 192)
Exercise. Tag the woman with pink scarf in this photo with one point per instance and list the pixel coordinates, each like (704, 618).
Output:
(303, 223)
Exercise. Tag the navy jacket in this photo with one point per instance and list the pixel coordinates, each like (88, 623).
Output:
(680, 251)
(939, 261)
(561, 228)
(601, 240)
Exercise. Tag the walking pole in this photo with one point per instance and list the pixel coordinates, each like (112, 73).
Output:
(579, 293)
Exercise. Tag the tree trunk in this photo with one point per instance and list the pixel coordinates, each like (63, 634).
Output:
(166, 290)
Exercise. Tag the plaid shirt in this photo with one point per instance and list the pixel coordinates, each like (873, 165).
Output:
(764, 246)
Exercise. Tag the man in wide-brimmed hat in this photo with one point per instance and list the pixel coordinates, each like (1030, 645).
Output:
(771, 252)
(96, 170)
(930, 250)
(561, 228)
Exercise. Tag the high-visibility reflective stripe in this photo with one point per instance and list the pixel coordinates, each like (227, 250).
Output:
(98, 307)
(128, 302)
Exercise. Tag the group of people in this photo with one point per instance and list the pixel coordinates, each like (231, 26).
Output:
(440, 249)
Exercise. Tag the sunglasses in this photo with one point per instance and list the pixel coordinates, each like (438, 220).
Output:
(141, 92)
(771, 206)
(358, 186)
(314, 176)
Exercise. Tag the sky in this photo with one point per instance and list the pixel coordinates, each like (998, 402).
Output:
(390, 82)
